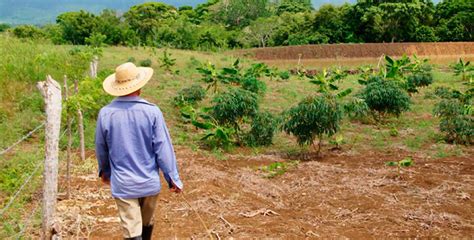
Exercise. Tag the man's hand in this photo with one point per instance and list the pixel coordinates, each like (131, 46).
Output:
(105, 179)
(175, 189)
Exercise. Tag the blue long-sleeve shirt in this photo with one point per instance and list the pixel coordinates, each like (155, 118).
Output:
(132, 144)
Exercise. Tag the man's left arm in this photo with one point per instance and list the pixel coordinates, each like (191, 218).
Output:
(102, 151)
(165, 155)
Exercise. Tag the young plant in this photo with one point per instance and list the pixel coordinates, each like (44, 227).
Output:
(464, 69)
(215, 135)
(190, 95)
(396, 68)
(407, 162)
(385, 97)
(230, 107)
(457, 118)
(312, 118)
(262, 129)
(231, 74)
(327, 83)
(166, 61)
(277, 168)
(209, 75)
(145, 63)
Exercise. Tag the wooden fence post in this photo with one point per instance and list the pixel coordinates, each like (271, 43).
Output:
(93, 67)
(80, 121)
(69, 142)
(51, 91)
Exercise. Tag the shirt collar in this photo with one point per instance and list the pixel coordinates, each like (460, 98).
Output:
(130, 99)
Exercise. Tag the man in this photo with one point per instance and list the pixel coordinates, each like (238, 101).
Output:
(132, 144)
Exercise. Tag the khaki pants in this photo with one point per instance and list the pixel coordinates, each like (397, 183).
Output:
(135, 213)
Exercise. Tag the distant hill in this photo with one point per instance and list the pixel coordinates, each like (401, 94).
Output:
(45, 11)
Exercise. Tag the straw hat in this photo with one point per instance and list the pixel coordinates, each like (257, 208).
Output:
(127, 79)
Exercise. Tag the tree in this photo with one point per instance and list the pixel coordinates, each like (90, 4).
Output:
(330, 21)
(239, 13)
(77, 26)
(260, 31)
(4, 27)
(27, 31)
(294, 6)
(111, 25)
(146, 18)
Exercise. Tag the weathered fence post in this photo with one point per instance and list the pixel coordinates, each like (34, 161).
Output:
(51, 91)
(93, 67)
(80, 121)
(69, 141)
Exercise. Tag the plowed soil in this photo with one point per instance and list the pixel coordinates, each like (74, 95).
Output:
(365, 50)
(337, 195)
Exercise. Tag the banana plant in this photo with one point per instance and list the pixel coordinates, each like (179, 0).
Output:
(231, 74)
(395, 68)
(326, 84)
(209, 75)
(216, 135)
(463, 68)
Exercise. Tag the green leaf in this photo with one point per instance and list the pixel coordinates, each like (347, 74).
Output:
(344, 93)
(202, 125)
(407, 162)
(391, 164)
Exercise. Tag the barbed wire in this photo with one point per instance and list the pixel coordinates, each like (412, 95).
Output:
(27, 223)
(12, 199)
(22, 139)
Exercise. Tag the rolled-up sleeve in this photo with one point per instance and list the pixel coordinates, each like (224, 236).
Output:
(101, 149)
(164, 152)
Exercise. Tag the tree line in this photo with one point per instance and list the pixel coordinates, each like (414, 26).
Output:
(229, 24)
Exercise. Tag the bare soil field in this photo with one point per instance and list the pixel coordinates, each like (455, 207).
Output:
(364, 50)
(338, 195)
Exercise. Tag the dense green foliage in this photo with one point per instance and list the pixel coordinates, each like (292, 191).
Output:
(386, 97)
(190, 95)
(232, 24)
(313, 118)
(263, 127)
(456, 112)
(232, 106)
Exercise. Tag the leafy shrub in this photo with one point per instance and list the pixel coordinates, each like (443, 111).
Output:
(145, 63)
(27, 31)
(386, 97)
(4, 27)
(417, 80)
(262, 130)
(254, 85)
(284, 75)
(447, 93)
(234, 104)
(313, 117)
(356, 108)
(167, 61)
(457, 120)
(190, 95)
(131, 59)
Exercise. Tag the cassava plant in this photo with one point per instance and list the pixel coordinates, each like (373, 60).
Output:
(190, 95)
(313, 118)
(385, 97)
(456, 113)
(262, 129)
(230, 107)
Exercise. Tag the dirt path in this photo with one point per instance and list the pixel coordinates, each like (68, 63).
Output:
(336, 196)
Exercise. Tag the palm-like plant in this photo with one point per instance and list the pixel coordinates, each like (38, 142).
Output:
(463, 68)
(209, 75)
(326, 83)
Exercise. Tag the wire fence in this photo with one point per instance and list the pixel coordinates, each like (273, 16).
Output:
(25, 183)
(22, 139)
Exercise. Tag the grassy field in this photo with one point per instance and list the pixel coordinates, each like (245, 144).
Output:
(21, 110)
